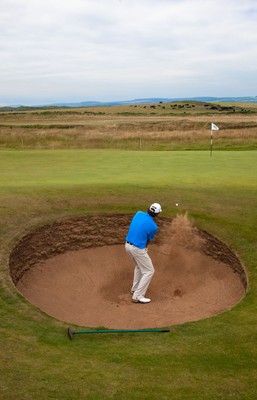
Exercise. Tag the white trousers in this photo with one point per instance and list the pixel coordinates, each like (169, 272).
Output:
(144, 269)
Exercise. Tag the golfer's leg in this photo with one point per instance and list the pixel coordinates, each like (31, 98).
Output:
(147, 269)
(137, 278)
(137, 271)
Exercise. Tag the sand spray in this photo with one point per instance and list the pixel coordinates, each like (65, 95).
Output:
(178, 234)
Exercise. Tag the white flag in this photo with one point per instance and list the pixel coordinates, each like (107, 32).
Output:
(214, 127)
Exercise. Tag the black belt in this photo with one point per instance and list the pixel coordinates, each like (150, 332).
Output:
(130, 243)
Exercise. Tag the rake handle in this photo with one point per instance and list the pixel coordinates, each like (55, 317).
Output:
(71, 333)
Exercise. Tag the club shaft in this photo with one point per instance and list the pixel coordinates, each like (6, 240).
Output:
(160, 252)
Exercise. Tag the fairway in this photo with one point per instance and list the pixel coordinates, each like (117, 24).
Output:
(210, 359)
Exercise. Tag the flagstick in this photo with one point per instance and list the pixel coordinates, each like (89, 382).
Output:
(211, 144)
(213, 128)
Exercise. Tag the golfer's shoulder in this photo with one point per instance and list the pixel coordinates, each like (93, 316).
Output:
(140, 215)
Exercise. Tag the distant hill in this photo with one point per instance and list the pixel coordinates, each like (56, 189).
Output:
(246, 99)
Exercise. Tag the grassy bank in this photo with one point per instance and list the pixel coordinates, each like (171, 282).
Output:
(210, 359)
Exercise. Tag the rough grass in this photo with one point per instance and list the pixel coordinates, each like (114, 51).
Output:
(117, 128)
(211, 359)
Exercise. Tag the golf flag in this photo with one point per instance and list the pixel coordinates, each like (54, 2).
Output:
(214, 127)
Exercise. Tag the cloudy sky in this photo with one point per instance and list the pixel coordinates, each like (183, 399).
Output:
(76, 50)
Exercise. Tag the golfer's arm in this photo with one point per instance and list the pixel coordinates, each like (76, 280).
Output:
(150, 238)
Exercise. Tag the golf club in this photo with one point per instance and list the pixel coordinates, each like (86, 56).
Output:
(160, 252)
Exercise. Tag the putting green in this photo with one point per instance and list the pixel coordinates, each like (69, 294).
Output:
(46, 168)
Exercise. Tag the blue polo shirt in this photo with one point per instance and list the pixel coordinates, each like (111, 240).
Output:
(142, 229)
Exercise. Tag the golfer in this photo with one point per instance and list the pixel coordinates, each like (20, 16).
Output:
(141, 231)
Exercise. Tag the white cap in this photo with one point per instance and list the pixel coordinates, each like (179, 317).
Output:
(155, 208)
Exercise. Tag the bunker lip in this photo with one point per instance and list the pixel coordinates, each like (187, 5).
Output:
(82, 259)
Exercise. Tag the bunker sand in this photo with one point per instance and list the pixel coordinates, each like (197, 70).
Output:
(91, 287)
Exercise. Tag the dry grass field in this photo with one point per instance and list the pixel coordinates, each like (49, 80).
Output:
(169, 126)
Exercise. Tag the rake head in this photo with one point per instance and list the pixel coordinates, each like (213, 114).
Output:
(70, 333)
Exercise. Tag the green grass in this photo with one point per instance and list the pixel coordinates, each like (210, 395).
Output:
(207, 360)
(98, 167)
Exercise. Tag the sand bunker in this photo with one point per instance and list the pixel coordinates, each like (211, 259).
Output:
(77, 271)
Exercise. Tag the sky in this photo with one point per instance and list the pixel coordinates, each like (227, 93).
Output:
(107, 50)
